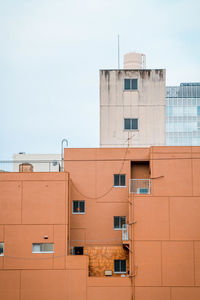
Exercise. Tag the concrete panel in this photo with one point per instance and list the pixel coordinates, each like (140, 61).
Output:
(18, 247)
(185, 218)
(1, 233)
(196, 179)
(77, 237)
(175, 180)
(60, 249)
(100, 223)
(10, 285)
(77, 262)
(152, 293)
(77, 288)
(148, 261)
(108, 281)
(10, 202)
(152, 218)
(177, 263)
(43, 202)
(197, 262)
(40, 285)
(183, 293)
(107, 293)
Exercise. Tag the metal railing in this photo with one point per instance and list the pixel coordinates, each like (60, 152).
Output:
(30, 166)
(125, 232)
(140, 186)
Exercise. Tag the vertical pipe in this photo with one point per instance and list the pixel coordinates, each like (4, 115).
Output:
(118, 53)
(62, 153)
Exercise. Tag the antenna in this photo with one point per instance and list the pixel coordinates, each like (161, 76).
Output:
(118, 52)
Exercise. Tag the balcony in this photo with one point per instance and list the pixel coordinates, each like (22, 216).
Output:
(140, 186)
(125, 233)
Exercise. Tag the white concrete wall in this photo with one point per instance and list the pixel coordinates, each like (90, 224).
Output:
(40, 162)
(147, 104)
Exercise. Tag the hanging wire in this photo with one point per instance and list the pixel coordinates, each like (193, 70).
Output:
(109, 190)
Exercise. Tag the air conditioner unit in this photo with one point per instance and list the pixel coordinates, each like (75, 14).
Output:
(108, 273)
(142, 191)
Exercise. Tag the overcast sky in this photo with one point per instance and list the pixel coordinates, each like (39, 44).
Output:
(51, 52)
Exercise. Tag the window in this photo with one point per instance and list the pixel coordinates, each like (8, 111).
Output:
(1, 249)
(119, 266)
(119, 180)
(78, 207)
(130, 124)
(42, 248)
(118, 222)
(77, 250)
(130, 84)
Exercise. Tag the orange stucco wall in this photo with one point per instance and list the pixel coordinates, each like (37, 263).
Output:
(165, 244)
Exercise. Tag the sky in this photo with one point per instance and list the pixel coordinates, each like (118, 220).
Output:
(51, 52)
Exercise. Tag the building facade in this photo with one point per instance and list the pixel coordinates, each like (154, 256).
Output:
(132, 105)
(116, 223)
(183, 115)
(135, 112)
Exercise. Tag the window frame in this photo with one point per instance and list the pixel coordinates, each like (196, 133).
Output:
(120, 272)
(131, 80)
(78, 213)
(120, 228)
(40, 249)
(131, 122)
(2, 254)
(119, 186)
(73, 250)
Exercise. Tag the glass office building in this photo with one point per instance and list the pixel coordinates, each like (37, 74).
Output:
(183, 115)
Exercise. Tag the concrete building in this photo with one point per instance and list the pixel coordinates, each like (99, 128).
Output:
(183, 115)
(132, 105)
(39, 162)
(115, 224)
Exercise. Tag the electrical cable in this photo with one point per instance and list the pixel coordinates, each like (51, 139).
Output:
(109, 190)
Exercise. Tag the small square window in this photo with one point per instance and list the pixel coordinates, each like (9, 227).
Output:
(77, 250)
(130, 84)
(119, 266)
(119, 180)
(78, 207)
(119, 222)
(130, 124)
(1, 249)
(42, 248)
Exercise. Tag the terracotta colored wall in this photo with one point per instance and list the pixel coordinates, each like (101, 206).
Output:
(166, 235)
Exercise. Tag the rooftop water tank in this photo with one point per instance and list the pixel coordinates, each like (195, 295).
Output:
(133, 60)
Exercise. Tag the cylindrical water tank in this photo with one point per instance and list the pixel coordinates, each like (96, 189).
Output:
(25, 167)
(133, 60)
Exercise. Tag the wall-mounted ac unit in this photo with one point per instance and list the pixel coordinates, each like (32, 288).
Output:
(108, 273)
(142, 191)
